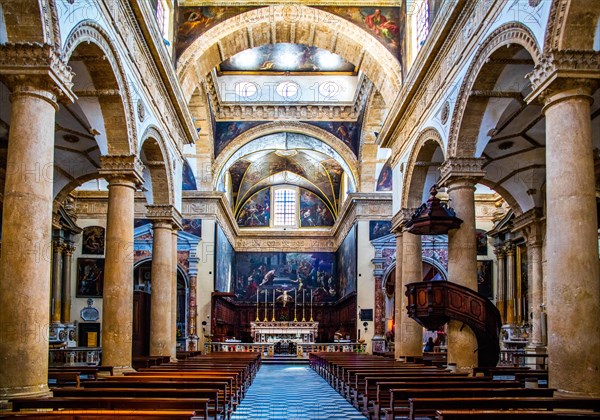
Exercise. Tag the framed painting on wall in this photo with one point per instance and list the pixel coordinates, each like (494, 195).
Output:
(93, 240)
(90, 277)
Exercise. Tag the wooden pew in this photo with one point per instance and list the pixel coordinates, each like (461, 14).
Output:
(399, 396)
(64, 378)
(428, 406)
(502, 414)
(198, 405)
(104, 415)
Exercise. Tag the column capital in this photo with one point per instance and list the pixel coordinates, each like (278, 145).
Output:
(465, 170)
(400, 219)
(570, 72)
(509, 249)
(36, 69)
(122, 168)
(500, 252)
(164, 213)
(531, 224)
(69, 249)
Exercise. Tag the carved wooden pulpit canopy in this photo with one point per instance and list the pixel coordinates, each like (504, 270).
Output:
(433, 217)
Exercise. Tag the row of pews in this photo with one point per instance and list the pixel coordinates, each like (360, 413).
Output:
(194, 387)
(383, 388)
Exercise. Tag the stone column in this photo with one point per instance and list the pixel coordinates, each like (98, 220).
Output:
(510, 284)
(501, 282)
(398, 293)
(123, 174)
(57, 268)
(174, 291)
(193, 314)
(26, 244)
(460, 175)
(573, 272)
(66, 283)
(411, 342)
(161, 299)
(379, 307)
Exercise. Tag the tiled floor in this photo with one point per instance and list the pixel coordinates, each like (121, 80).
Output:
(291, 392)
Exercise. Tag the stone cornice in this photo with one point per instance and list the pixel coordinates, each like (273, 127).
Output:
(164, 213)
(532, 225)
(556, 67)
(36, 64)
(461, 168)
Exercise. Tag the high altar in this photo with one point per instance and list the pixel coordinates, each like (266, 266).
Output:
(274, 331)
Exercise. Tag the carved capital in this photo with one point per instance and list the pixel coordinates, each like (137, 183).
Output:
(164, 213)
(500, 252)
(559, 71)
(117, 168)
(404, 215)
(468, 170)
(36, 67)
(509, 249)
(69, 249)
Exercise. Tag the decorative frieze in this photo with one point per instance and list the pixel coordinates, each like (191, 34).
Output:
(461, 168)
(122, 166)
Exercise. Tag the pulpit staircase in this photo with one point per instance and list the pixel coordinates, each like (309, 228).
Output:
(433, 303)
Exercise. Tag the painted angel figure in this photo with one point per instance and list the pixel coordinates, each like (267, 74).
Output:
(284, 297)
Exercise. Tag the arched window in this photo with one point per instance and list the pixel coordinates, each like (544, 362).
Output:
(285, 207)
(422, 22)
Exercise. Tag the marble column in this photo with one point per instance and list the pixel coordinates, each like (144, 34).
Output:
(573, 273)
(66, 283)
(57, 268)
(536, 292)
(379, 307)
(25, 264)
(501, 282)
(161, 298)
(123, 175)
(411, 339)
(398, 293)
(192, 332)
(174, 292)
(510, 284)
(460, 175)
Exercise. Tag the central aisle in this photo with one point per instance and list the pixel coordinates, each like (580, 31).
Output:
(291, 392)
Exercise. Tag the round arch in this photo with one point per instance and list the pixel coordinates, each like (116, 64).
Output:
(428, 141)
(293, 127)
(121, 132)
(292, 23)
(572, 25)
(180, 270)
(462, 140)
(159, 164)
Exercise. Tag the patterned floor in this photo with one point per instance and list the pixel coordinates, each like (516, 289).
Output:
(291, 392)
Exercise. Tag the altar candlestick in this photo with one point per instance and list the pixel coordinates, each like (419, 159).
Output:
(266, 300)
(295, 306)
(311, 307)
(303, 297)
(273, 319)
(257, 316)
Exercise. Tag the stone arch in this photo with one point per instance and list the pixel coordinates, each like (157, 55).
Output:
(461, 143)
(157, 160)
(571, 25)
(121, 132)
(31, 22)
(428, 141)
(293, 127)
(66, 190)
(299, 24)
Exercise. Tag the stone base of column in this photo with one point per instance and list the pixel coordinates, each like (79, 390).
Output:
(121, 370)
(40, 391)
(462, 344)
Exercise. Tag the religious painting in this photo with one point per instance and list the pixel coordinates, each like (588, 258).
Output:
(90, 277)
(346, 131)
(192, 226)
(188, 180)
(384, 182)
(227, 131)
(379, 228)
(286, 275)
(386, 24)
(256, 211)
(313, 211)
(194, 21)
(224, 258)
(93, 240)
(484, 278)
(285, 57)
(482, 242)
(346, 263)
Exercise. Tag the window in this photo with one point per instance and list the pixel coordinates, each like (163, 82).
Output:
(422, 23)
(284, 203)
(160, 16)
